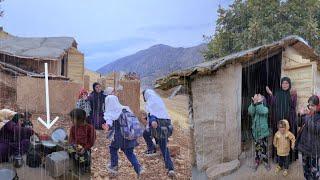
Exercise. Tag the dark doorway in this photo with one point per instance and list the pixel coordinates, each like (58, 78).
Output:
(255, 78)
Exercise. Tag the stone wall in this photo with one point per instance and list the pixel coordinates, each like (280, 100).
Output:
(217, 116)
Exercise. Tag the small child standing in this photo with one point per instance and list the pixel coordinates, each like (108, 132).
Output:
(82, 137)
(260, 129)
(283, 141)
(83, 102)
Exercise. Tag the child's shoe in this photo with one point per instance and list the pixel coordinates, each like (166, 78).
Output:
(141, 172)
(278, 169)
(285, 173)
(267, 166)
(255, 166)
(150, 153)
(171, 173)
(112, 169)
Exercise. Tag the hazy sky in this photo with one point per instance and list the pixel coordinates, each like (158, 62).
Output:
(109, 29)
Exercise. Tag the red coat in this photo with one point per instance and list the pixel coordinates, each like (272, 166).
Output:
(85, 135)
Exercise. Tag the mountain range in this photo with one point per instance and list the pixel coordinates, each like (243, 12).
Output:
(156, 61)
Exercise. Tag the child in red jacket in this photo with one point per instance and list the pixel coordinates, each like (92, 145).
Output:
(82, 137)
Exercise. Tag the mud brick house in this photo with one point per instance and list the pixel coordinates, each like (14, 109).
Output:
(22, 72)
(219, 94)
(30, 54)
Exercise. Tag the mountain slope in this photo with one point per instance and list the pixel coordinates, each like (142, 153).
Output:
(157, 61)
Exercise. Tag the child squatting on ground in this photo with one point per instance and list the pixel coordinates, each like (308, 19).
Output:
(283, 141)
(260, 129)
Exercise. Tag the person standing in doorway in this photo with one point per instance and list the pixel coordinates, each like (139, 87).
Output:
(283, 106)
(283, 141)
(260, 130)
(96, 99)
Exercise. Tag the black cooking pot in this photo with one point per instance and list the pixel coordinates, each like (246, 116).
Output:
(33, 159)
(48, 147)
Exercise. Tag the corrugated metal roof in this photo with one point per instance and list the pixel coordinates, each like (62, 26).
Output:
(47, 48)
(178, 77)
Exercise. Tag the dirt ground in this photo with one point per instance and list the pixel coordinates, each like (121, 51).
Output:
(154, 166)
(245, 172)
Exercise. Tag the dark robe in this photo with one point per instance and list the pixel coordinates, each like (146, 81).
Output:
(283, 106)
(97, 108)
(14, 139)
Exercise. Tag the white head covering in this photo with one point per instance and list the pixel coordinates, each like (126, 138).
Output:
(108, 91)
(113, 109)
(5, 116)
(154, 104)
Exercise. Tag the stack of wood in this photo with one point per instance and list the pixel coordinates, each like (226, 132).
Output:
(131, 76)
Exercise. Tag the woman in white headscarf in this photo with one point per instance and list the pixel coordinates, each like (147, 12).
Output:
(159, 127)
(113, 113)
(108, 91)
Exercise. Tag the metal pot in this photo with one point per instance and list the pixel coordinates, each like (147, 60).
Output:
(8, 174)
(17, 161)
(35, 143)
(48, 147)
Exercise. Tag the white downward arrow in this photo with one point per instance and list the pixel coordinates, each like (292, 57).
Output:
(47, 124)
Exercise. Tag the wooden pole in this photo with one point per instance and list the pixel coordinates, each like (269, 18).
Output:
(114, 83)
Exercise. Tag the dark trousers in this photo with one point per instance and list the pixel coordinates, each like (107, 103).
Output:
(163, 147)
(261, 146)
(130, 156)
(284, 161)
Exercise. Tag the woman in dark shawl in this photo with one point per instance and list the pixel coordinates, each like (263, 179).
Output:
(14, 139)
(283, 106)
(96, 99)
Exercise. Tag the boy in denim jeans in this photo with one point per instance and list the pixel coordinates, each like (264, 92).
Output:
(159, 127)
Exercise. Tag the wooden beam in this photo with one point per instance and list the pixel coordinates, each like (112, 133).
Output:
(259, 59)
(297, 66)
(15, 68)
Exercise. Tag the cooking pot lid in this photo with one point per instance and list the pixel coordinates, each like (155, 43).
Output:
(7, 174)
(59, 135)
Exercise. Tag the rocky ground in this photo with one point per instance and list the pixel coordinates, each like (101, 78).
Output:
(154, 166)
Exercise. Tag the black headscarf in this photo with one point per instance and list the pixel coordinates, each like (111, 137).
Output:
(283, 101)
(96, 99)
(16, 118)
(94, 87)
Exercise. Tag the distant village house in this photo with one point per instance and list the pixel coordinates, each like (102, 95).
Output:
(22, 72)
